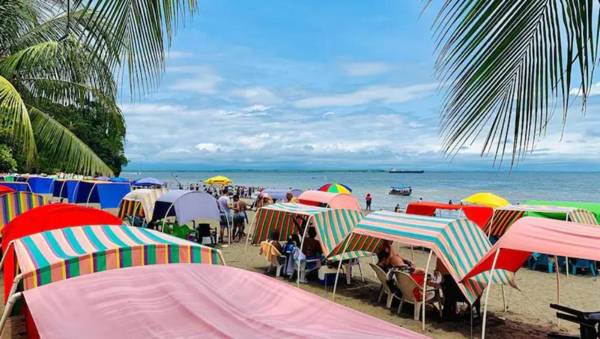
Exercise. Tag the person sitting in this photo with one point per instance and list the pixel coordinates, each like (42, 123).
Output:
(311, 247)
(389, 259)
(289, 197)
(274, 240)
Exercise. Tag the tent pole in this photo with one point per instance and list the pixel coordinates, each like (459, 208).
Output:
(566, 258)
(8, 309)
(337, 273)
(557, 285)
(301, 245)
(165, 217)
(503, 298)
(487, 293)
(425, 288)
(87, 203)
(11, 243)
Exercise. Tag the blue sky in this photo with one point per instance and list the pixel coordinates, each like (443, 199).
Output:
(276, 84)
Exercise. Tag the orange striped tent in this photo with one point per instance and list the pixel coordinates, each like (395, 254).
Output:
(504, 217)
(332, 225)
(16, 203)
(60, 254)
(458, 243)
(140, 203)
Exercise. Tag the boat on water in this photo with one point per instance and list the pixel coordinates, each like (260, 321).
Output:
(402, 190)
(395, 170)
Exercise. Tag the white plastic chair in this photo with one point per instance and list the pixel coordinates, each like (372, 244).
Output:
(407, 286)
(385, 287)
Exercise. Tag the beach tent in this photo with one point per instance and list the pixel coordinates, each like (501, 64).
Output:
(477, 214)
(332, 226)
(458, 243)
(5, 189)
(548, 236)
(119, 179)
(331, 200)
(140, 203)
(486, 199)
(179, 301)
(186, 206)
(41, 185)
(504, 217)
(334, 187)
(593, 207)
(279, 194)
(17, 203)
(17, 186)
(148, 182)
(218, 180)
(107, 194)
(44, 218)
(65, 188)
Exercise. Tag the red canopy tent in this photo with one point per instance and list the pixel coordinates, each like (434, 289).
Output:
(5, 189)
(477, 214)
(548, 236)
(44, 218)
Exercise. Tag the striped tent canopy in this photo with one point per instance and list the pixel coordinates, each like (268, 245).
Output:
(332, 226)
(65, 253)
(16, 203)
(458, 243)
(504, 217)
(140, 203)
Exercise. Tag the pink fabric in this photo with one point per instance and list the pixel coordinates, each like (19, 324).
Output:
(192, 300)
(332, 200)
(542, 235)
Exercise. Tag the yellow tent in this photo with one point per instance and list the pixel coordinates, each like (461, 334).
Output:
(218, 180)
(486, 199)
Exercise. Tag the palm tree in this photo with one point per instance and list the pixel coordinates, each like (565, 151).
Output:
(71, 53)
(509, 65)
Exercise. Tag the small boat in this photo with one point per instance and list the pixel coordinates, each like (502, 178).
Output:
(401, 190)
(395, 170)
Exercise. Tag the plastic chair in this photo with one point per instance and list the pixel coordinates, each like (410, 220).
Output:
(538, 259)
(274, 257)
(583, 264)
(412, 293)
(385, 287)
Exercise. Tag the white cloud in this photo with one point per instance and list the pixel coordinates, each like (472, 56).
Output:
(386, 94)
(256, 95)
(593, 90)
(365, 68)
(256, 108)
(208, 147)
(179, 54)
(204, 81)
(328, 114)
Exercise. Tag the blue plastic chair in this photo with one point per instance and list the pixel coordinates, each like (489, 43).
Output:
(583, 264)
(538, 259)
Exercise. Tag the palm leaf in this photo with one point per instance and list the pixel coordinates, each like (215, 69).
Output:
(66, 146)
(509, 65)
(15, 116)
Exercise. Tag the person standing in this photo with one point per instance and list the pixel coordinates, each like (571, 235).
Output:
(239, 217)
(397, 208)
(368, 200)
(223, 203)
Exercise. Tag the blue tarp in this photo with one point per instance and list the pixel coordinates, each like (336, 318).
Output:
(65, 189)
(107, 194)
(146, 182)
(17, 186)
(41, 185)
(118, 179)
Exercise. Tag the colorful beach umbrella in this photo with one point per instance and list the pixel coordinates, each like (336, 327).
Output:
(218, 180)
(486, 199)
(334, 187)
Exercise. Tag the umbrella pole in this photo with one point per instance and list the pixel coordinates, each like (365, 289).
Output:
(487, 293)
(337, 273)
(425, 289)
(8, 309)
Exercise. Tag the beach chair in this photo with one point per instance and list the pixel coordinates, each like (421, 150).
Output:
(541, 260)
(589, 322)
(412, 293)
(584, 264)
(385, 286)
(276, 260)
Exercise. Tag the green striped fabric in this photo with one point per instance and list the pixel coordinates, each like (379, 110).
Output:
(332, 225)
(458, 243)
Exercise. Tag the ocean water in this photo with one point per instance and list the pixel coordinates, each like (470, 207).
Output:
(438, 186)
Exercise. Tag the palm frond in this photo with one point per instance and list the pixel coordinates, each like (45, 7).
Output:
(66, 146)
(15, 116)
(508, 65)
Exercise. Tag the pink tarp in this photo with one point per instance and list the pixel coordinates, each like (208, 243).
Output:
(331, 200)
(542, 235)
(180, 300)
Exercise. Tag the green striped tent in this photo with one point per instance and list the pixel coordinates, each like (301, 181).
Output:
(505, 216)
(458, 243)
(332, 225)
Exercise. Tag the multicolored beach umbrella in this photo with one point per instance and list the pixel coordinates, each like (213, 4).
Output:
(458, 243)
(16, 203)
(65, 253)
(334, 187)
(332, 225)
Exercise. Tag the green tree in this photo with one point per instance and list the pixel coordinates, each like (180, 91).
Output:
(68, 52)
(509, 65)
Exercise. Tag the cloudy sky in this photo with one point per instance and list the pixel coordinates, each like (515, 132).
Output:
(279, 84)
